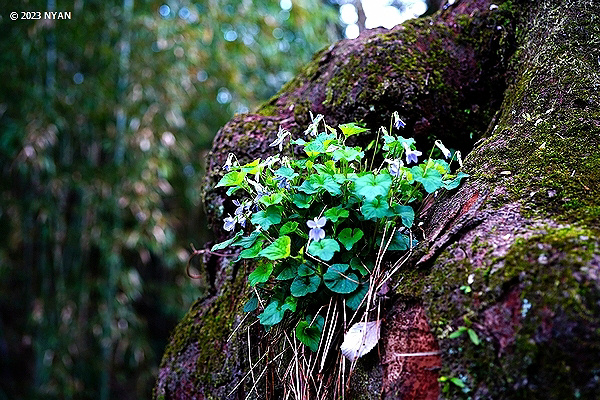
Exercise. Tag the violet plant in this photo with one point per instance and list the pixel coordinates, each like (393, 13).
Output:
(316, 223)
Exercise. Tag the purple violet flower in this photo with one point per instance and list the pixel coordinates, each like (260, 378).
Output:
(398, 123)
(282, 182)
(240, 211)
(260, 190)
(394, 167)
(411, 155)
(241, 207)
(229, 223)
(316, 233)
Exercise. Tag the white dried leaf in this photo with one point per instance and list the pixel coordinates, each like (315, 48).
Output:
(360, 339)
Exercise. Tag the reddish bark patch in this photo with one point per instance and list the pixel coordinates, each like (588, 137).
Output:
(409, 377)
(503, 320)
(469, 204)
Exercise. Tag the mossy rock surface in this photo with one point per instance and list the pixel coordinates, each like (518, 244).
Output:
(534, 304)
(523, 234)
(519, 86)
(199, 362)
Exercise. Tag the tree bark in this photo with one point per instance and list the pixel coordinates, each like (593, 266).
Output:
(516, 86)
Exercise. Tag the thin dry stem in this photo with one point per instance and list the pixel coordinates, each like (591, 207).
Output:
(250, 360)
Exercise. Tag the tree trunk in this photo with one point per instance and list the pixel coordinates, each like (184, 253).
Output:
(516, 85)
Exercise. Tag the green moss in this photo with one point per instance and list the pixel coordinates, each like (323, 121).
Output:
(410, 282)
(419, 64)
(208, 328)
(390, 62)
(267, 110)
(551, 115)
(546, 350)
(301, 112)
(545, 155)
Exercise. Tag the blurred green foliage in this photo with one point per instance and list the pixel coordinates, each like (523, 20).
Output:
(104, 124)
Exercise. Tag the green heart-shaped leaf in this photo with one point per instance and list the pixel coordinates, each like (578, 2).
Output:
(348, 154)
(324, 249)
(251, 252)
(260, 274)
(309, 334)
(453, 184)
(248, 241)
(349, 237)
(333, 214)
(370, 186)
(328, 168)
(314, 148)
(291, 302)
(432, 180)
(286, 172)
(319, 144)
(252, 167)
(401, 242)
(277, 250)
(273, 314)
(303, 285)
(356, 264)
(251, 304)
(407, 213)
(395, 145)
(341, 178)
(268, 217)
(376, 208)
(307, 187)
(288, 227)
(233, 178)
(306, 270)
(290, 271)
(326, 182)
(271, 199)
(222, 245)
(302, 200)
(351, 129)
(355, 298)
(337, 280)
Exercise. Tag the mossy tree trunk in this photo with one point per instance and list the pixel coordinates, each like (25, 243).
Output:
(519, 87)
